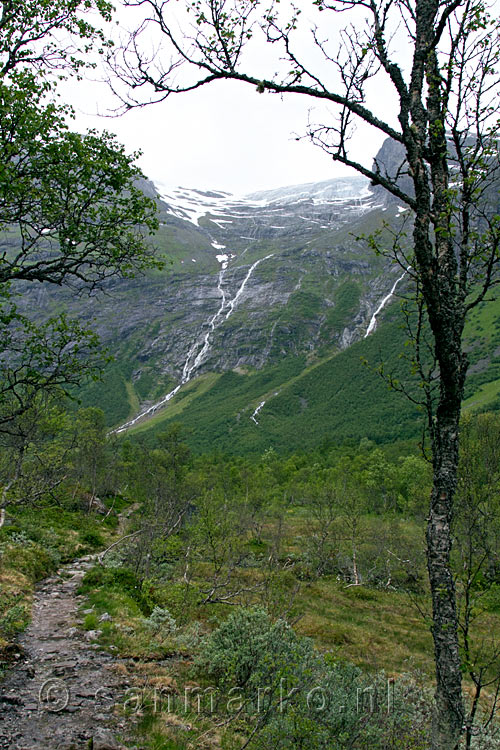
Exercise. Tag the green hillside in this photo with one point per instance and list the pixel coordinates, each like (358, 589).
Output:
(337, 398)
(305, 303)
(482, 339)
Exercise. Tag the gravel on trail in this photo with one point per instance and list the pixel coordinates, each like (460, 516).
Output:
(62, 692)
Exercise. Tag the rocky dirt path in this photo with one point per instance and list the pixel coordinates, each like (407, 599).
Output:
(62, 692)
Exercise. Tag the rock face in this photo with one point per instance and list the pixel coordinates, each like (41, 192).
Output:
(391, 162)
(247, 282)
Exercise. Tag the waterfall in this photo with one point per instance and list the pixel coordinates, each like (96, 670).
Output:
(373, 321)
(254, 415)
(201, 346)
(238, 294)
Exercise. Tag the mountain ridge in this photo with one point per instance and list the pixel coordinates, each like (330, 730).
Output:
(291, 301)
(257, 291)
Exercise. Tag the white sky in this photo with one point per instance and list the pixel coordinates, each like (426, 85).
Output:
(223, 136)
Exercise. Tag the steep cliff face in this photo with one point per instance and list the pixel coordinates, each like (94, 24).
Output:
(254, 333)
(247, 283)
(253, 280)
(294, 276)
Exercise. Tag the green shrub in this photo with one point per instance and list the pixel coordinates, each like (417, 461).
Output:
(302, 699)
(90, 622)
(14, 616)
(93, 539)
(160, 620)
(168, 550)
(122, 579)
(30, 560)
(248, 650)
(180, 600)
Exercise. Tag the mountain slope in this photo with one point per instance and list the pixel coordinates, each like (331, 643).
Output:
(248, 283)
(294, 406)
(254, 332)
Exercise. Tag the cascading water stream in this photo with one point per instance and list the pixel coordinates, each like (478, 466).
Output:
(254, 415)
(238, 294)
(188, 369)
(191, 366)
(373, 321)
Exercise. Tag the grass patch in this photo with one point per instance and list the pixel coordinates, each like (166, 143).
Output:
(176, 406)
(485, 397)
(33, 544)
(133, 398)
(372, 628)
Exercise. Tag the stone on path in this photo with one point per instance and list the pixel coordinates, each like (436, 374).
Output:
(52, 697)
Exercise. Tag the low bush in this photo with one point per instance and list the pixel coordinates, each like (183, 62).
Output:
(294, 697)
(120, 579)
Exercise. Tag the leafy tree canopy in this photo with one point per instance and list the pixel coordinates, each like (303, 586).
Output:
(71, 210)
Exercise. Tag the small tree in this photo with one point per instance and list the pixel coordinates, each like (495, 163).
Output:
(445, 128)
(40, 358)
(90, 457)
(323, 533)
(71, 212)
(34, 455)
(158, 481)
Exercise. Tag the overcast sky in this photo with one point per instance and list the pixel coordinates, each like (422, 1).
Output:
(224, 136)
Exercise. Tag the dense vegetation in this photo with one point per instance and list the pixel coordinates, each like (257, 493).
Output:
(278, 583)
(300, 571)
(331, 397)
